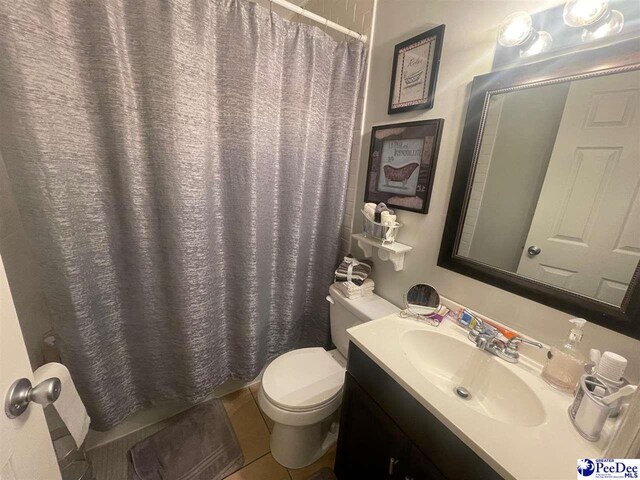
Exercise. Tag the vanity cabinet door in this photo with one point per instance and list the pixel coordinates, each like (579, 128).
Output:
(370, 445)
(380, 416)
(419, 467)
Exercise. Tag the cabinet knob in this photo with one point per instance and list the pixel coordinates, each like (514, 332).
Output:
(392, 463)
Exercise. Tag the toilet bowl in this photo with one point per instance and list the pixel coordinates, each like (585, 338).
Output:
(301, 390)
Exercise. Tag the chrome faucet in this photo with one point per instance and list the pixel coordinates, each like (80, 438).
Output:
(486, 338)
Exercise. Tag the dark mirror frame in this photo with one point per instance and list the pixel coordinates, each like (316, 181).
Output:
(620, 57)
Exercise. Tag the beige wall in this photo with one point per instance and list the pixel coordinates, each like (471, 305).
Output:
(524, 142)
(468, 51)
(22, 273)
(483, 164)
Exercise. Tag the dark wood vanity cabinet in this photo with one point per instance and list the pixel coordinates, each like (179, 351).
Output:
(372, 446)
(386, 434)
(371, 441)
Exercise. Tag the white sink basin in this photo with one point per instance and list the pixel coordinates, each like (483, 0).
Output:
(514, 420)
(495, 391)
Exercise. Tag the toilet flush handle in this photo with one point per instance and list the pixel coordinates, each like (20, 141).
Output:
(330, 300)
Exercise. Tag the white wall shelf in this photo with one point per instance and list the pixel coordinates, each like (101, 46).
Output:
(388, 252)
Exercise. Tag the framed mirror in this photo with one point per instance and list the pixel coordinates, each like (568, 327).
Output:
(546, 196)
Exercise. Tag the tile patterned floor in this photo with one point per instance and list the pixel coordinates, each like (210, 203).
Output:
(252, 429)
(263, 471)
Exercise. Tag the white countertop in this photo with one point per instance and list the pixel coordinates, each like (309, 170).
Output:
(543, 452)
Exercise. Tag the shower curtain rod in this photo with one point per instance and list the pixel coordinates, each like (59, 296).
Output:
(317, 18)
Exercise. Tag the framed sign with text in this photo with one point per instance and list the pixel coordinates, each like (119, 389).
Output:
(415, 70)
(402, 164)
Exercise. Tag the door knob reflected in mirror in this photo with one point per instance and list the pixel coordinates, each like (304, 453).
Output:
(533, 250)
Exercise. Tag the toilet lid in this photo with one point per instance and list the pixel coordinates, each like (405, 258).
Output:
(303, 379)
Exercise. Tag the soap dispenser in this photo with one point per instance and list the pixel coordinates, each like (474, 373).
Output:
(566, 362)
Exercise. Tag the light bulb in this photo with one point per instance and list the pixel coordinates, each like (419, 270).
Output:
(515, 29)
(541, 44)
(594, 16)
(580, 13)
(612, 25)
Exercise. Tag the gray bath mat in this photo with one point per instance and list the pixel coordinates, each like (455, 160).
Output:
(200, 445)
(323, 474)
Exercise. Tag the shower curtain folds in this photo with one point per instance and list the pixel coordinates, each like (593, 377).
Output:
(180, 167)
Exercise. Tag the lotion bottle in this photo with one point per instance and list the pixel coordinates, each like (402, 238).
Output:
(566, 362)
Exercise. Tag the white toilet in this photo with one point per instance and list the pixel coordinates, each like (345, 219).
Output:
(301, 391)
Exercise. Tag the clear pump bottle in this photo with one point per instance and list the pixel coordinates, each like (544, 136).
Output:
(566, 362)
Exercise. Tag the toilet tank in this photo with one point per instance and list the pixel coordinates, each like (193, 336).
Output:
(347, 313)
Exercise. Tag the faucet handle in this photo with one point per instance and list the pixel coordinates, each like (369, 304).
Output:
(484, 328)
(512, 345)
(509, 350)
(482, 334)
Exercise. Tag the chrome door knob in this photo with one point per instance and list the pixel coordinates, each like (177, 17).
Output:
(21, 393)
(533, 250)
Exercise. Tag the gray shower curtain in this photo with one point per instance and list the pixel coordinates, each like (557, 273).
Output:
(181, 168)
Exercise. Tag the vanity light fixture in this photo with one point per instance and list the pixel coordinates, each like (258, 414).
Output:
(516, 30)
(595, 17)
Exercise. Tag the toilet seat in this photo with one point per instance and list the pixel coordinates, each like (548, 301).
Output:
(303, 380)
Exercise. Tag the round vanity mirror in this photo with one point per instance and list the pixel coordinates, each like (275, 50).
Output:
(422, 299)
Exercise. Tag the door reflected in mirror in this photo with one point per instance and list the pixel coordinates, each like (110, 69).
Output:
(555, 194)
